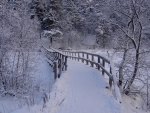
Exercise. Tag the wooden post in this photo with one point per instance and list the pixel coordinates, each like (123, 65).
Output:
(72, 55)
(98, 63)
(59, 67)
(92, 64)
(98, 59)
(54, 54)
(103, 63)
(92, 60)
(110, 81)
(57, 55)
(78, 56)
(55, 70)
(65, 63)
(110, 70)
(83, 57)
(75, 56)
(87, 56)
(98, 66)
(60, 56)
(63, 60)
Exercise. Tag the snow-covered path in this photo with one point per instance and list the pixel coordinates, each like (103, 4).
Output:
(82, 90)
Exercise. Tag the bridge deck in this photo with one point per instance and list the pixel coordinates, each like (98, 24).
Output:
(82, 90)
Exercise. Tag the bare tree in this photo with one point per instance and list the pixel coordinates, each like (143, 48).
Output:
(133, 32)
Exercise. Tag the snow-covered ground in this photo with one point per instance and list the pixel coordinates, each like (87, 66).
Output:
(132, 103)
(43, 80)
(81, 89)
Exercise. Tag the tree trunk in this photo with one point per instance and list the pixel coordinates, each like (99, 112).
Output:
(121, 68)
(136, 66)
(127, 90)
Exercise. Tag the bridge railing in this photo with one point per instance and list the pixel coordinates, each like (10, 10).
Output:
(94, 60)
(57, 60)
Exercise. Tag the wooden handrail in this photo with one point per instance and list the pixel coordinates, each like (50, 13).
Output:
(59, 64)
(92, 54)
(99, 64)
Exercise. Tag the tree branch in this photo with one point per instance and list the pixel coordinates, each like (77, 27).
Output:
(123, 13)
(132, 39)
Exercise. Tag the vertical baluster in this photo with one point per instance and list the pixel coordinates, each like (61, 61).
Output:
(75, 55)
(59, 67)
(92, 60)
(63, 60)
(72, 55)
(55, 70)
(65, 63)
(98, 63)
(83, 57)
(78, 56)
(103, 63)
(87, 56)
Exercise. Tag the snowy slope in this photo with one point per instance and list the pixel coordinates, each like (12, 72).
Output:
(43, 79)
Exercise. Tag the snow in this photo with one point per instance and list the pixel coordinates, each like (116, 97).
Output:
(82, 89)
(53, 32)
(43, 76)
(43, 79)
(9, 104)
(132, 104)
(90, 40)
(42, 72)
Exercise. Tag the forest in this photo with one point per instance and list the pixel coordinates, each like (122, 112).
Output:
(116, 29)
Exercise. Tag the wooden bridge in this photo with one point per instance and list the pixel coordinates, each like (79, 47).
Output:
(59, 61)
